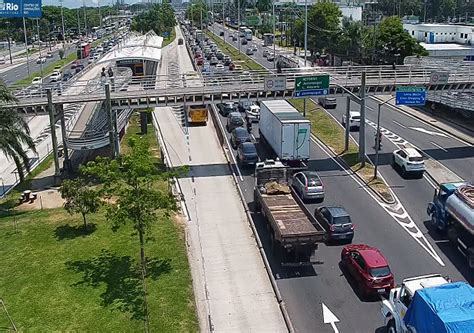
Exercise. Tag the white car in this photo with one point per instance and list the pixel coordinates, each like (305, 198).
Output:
(354, 120)
(265, 53)
(56, 76)
(220, 67)
(408, 160)
(253, 112)
(37, 81)
(41, 60)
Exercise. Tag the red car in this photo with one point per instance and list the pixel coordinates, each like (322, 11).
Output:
(231, 66)
(368, 267)
(200, 61)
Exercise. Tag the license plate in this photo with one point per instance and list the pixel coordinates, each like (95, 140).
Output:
(381, 290)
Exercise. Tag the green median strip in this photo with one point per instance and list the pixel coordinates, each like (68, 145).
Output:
(238, 58)
(49, 69)
(171, 38)
(332, 134)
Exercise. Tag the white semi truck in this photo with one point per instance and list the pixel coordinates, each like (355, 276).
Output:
(429, 304)
(286, 131)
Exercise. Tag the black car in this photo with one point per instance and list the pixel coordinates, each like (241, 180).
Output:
(220, 55)
(79, 67)
(234, 38)
(337, 223)
(234, 120)
(180, 41)
(67, 76)
(244, 41)
(226, 108)
(238, 136)
(247, 153)
(221, 33)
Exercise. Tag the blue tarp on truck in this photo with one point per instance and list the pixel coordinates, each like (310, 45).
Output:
(444, 309)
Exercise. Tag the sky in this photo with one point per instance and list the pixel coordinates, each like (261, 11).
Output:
(78, 3)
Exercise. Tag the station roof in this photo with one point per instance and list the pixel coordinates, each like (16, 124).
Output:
(446, 46)
(136, 46)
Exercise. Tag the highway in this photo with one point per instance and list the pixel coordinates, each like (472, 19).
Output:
(305, 290)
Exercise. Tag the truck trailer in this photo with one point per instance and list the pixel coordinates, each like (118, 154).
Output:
(452, 212)
(286, 131)
(429, 304)
(294, 232)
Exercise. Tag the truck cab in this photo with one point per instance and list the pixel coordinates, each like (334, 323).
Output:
(400, 299)
(436, 209)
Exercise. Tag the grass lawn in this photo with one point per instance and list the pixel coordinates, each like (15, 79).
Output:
(171, 38)
(49, 69)
(246, 62)
(55, 277)
(332, 134)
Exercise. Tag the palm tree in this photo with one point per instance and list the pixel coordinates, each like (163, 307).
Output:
(14, 133)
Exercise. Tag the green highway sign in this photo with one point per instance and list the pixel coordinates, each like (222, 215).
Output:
(312, 85)
(312, 82)
(410, 89)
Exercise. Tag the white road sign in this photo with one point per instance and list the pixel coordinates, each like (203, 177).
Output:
(273, 83)
(439, 77)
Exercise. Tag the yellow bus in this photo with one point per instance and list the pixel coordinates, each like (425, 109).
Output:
(197, 114)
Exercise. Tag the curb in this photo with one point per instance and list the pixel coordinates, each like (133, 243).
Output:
(414, 115)
(315, 138)
(281, 303)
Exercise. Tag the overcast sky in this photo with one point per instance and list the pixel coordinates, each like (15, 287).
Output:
(78, 3)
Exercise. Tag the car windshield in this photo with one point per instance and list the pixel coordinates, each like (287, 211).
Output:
(237, 120)
(249, 149)
(356, 117)
(416, 159)
(379, 271)
(341, 220)
(241, 133)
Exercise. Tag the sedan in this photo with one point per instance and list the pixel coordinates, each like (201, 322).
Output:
(337, 223)
(238, 136)
(369, 268)
(220, 67)
(234, 120)
(270, 57)
(213, 61)
(249, 51)
(41, 60)
(308, 185)
(37, 81)
(247, 154)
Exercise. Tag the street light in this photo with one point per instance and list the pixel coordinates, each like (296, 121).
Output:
(274, 33)
(377, 136)
(62, 24)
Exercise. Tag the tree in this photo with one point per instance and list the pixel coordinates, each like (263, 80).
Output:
(194, 11)
(80, 198)
(264, 5)
(15, 137)
(61, 53)
(160, 18)
(350, 42)
(392, 43)
(131, 181)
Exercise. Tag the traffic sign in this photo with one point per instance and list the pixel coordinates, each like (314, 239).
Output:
(273, 83)
(312, 85)
(410, 96)
(439, 77)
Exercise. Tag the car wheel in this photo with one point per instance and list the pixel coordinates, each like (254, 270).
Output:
(391, 328)
(404, 171)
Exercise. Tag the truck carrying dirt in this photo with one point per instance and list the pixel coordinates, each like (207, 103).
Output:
(294, 232)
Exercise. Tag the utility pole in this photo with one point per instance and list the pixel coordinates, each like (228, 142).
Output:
(223, 18)
(238, 24)
(39, 46)
(274, 33)
(62, 26)
(362, 121)
(85, 17)
(305, 44)
(26, 47)
(78, 22)
(378, 136)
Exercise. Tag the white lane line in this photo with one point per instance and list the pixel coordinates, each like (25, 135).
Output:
(397, 123)
(437, 145)
(417, 234)
(430, 181)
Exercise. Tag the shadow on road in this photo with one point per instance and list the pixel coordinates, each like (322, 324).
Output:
(121, 276)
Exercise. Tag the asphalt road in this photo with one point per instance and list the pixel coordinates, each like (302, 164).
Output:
(305, 289)
(20, 72)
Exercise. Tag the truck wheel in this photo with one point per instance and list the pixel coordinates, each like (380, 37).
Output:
(452, 235)
(391, 328)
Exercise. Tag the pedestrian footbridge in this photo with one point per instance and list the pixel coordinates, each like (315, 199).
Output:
(196, 88)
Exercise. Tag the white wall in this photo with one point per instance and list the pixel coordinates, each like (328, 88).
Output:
(442, 33)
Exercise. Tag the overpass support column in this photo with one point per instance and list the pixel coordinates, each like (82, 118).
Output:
(54, 138)
(362, 121)
(60, 112)
(111, 118)
(347, 124)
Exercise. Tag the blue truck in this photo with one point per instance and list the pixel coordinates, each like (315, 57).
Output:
(452, 213)
(429, 304)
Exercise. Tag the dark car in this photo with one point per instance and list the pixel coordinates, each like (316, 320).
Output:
(220, 55)
(308, 185)
(239, 135)
(369, 268)
(234, 38)
(337, 223)
(79, 67)
(234, 120)
(180, 41)
(247, 153)
(226, 108)
(200, 61)
(244, 41)
(221, 33)
(67, 76)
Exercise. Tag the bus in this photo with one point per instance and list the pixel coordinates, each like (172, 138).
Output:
(83, 50)
(267, 39)
(242, 31)
(248, 34)
(197, 114)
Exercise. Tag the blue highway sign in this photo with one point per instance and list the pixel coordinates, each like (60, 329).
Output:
(410, 96)
(314, 92)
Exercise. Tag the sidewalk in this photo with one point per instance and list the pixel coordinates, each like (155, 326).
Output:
(229, 277)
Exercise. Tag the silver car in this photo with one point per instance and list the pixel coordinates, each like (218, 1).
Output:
(308, 185)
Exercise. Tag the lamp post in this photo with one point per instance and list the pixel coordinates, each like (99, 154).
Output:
(274, 33)
(62, 26)
(238, 24)
(305, 44)
(377, 136)
(39, 46)
(26, 47)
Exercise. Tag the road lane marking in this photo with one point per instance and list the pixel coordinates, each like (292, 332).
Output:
(329, 318)
(396, 211)
(397, 123)
(424, 130)
(437, 145)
